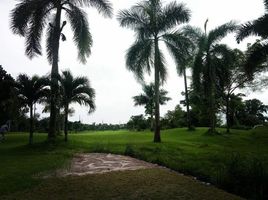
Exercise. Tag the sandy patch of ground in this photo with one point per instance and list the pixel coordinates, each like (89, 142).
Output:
(97, 163)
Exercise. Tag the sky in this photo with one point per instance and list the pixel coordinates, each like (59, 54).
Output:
(114, 84)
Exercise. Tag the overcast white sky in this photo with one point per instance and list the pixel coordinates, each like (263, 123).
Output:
(114, 85)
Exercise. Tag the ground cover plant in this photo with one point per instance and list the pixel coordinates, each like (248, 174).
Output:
(236, 162)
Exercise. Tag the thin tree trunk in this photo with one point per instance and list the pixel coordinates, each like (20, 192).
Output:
(157, 137)
(31, 125)
(66, 123)
(187, 100)
(54, 77)
(228, 113)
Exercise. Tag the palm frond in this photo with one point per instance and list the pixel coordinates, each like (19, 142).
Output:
(21, 15)
(138, 58)
(266, 5)
(82, 37)
(257, 27)
(256, 58)
(162, 67)
(132, 19)
(50, 43)
(172, 15)
(103, 6)
(220, 32)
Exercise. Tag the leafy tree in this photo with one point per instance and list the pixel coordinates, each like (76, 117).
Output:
(147, 99)
(137, 123)
(7, 84)
(210, 57)
(175, 118)
(153, 22)
(232, 77)
(257, 56)
(75, 90)
(30, 17)
(30, 91)
(251, 113)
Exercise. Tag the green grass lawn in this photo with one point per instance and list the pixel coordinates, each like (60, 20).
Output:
(207, 157)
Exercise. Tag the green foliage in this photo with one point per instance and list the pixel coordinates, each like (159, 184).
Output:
(194, 154)
(174, 119)
(251, 113)
(147, 98)
(244, 175)
(138, 123)
(257, 55)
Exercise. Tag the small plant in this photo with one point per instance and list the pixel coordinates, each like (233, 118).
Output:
(129, 150)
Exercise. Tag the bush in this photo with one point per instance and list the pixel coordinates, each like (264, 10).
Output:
(244, 176)
(129, 150)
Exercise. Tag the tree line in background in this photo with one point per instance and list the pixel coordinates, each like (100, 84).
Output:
(217, 70)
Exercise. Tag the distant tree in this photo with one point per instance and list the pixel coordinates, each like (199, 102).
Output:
(175, 118)
(257, 56)
(232, 77)
(252, 113)
(6, 85)
(30, 17)
(153, 22)
(75, 90)
(146, 99)
(210, 56)
(31, 90)
(137, 123)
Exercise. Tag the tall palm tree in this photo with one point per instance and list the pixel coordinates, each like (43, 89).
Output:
(184, 59)
(147, 99)
(30, 91)
(257, 58)
(210, 56)
(153, 22)
(75, 90)
(30, 17)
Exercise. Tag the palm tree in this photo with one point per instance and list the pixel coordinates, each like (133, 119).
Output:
(147, 99)
(257, 58)
(184, 59)
(30, 91)
(30, 17)
(75, 90)
(209, 58)
(153, 22)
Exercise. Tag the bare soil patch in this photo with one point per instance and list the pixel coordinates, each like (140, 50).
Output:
(98, 163)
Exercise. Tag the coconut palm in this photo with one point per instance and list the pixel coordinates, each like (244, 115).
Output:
(153, 22)
(30, 17)
(146, 99)
(257, 57)
(210, 57)
(31, 90)
(75, 90)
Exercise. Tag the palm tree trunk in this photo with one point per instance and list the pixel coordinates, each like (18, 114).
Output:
(157, 137)
(66, 123)
(54, 77)
(228, 113)
(31, 126)
(152, 122)
(212, 90)
(187, 100)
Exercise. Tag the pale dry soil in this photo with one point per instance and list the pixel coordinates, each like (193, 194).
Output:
(98, 163)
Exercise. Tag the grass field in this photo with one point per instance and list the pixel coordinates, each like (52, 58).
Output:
(226, 160)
